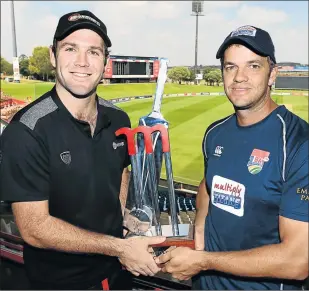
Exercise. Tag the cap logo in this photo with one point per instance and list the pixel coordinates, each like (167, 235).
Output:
(77, 16)
(244, 30)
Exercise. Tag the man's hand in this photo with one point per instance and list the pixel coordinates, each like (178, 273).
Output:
(136, 256)
(182, 263)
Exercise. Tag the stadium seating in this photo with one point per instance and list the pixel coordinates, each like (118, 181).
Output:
(185, 208)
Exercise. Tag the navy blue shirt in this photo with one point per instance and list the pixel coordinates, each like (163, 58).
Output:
(254, 174)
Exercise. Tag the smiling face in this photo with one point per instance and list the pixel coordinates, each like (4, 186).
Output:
(80, 61)
(246, 76)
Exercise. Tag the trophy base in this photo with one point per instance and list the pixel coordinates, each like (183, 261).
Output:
(185, 230)
(184, 239)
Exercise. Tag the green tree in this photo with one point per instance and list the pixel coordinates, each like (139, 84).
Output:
(206, 71)
(39, 62)
(179, 74)
(217, 76)
(24, 65)
(192, 75)
(6, 67)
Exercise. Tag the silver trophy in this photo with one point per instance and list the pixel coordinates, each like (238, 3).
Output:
(148, 146)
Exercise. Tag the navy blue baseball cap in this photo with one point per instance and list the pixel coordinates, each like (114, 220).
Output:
(255, 39)
(72, 21)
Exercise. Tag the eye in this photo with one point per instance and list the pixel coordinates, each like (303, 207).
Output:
(229, 67)
(69, 49)
(254, 66)
(94, 53)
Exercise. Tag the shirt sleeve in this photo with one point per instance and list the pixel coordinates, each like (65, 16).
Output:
(295, 196)
(127, 159)
(24, 173)
(204, 150)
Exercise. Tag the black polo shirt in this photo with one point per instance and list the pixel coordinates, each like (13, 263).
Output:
(47, 154)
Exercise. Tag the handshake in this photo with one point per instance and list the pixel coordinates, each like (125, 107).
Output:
(138, 258)
(138, 255)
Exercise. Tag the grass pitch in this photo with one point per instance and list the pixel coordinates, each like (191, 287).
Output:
(188, 116)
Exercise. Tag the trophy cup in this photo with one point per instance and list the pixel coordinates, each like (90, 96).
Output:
(148, 146)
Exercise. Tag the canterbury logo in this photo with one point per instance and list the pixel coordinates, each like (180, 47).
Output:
(66, 157)
(218, 151)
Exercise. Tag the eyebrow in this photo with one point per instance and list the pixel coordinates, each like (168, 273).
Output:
(96, 48)
(75, 45)
(249, 62)
(68, 43)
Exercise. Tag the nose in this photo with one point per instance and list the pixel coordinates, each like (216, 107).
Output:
(81, 60)
(240, 76)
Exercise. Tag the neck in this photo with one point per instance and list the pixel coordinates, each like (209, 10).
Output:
(83, 109)
(257, 113)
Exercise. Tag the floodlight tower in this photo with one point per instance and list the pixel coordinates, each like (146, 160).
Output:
(197, 10)
(15, 56)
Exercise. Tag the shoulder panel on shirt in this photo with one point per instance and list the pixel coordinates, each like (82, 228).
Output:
(210, 128)
(108, 104)
(37, 111)
(295, 132)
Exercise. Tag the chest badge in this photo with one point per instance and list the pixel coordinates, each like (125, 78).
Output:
(116, 145)
(257, 160)
(66, 157)
(218, 151)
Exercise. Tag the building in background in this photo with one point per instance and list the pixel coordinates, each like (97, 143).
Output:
(292, 76)
(131, 69)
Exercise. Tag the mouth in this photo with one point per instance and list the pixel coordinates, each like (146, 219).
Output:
(240, 89)
(80, 75)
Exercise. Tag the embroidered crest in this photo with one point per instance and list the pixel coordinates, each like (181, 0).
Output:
(257, 160)
(66, 157)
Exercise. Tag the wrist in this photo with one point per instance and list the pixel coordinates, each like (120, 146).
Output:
(199, 228)
(118, 247)
(207, 261)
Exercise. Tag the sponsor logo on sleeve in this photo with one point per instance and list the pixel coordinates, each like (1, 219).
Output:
(257, 160)
(228, 195)
(304, 193)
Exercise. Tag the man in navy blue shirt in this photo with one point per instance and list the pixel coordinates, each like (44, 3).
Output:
(251, 229)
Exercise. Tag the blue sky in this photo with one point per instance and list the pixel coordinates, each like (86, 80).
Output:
(163, 28)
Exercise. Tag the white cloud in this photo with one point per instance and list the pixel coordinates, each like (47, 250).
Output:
(157, 28)
(254, 14)
(222, 4)
(134, 3)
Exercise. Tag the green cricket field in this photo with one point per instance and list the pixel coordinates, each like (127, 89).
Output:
(188, 116)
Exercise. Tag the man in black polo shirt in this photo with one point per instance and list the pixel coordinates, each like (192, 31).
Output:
(64, 171)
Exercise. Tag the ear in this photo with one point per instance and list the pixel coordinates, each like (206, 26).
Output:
(273, 76)
(52, 57)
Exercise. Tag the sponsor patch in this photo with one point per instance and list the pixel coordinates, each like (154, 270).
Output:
(228, 195)
(257, 160)
(77, 16)
(119, 144)
(244, 30)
